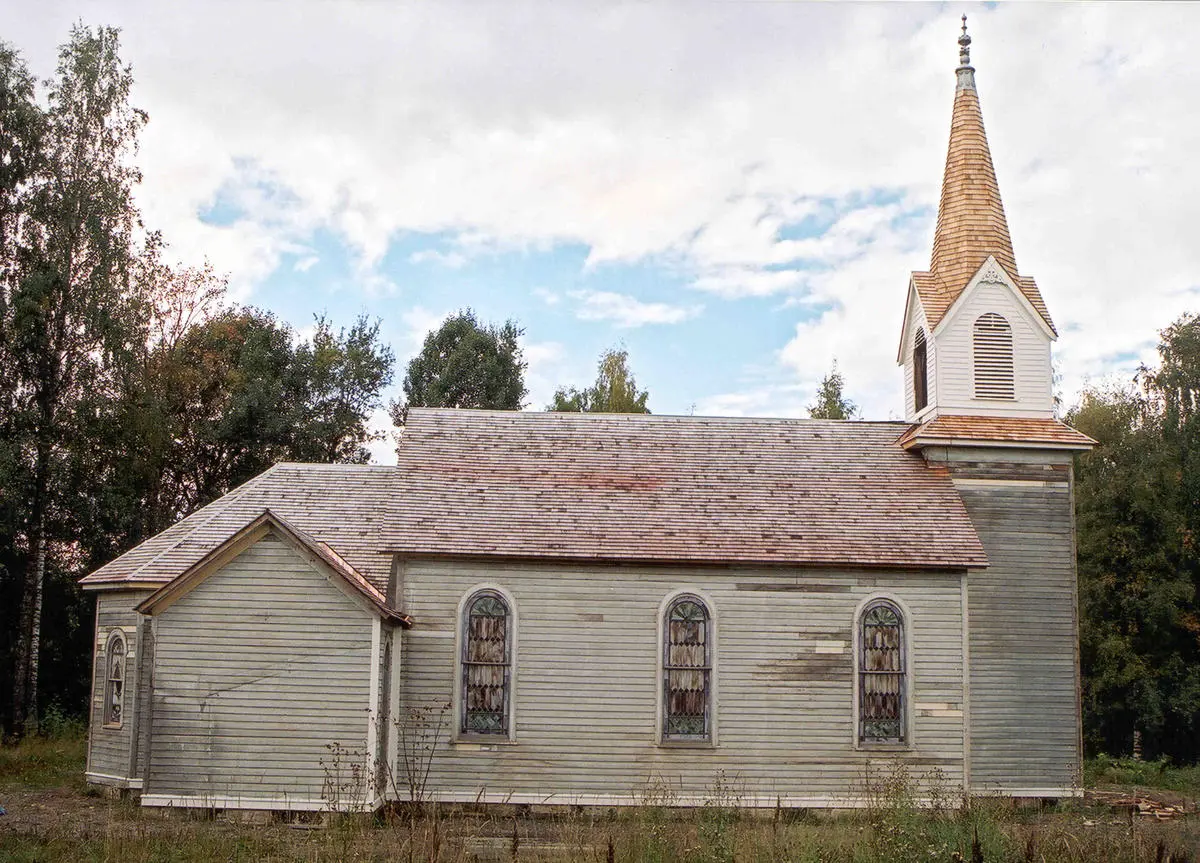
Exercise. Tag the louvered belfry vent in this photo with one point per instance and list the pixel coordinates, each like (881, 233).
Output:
(920, 371)
(993, 358)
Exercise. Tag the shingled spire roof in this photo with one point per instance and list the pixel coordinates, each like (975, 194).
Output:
(971, 226)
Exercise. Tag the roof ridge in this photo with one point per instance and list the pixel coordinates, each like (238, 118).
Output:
(585, 416)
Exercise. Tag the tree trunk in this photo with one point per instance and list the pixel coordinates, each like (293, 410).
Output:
(25, 666)
(29, 639)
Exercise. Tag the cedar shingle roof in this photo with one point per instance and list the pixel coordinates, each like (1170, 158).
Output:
(673, 489)
(340, 505)
(995, 431)
(971, 224)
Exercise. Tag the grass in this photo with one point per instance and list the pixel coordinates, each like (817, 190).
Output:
(44, 762)
(51, 818)
(1160, 774)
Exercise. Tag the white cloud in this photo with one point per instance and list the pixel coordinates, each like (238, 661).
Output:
(628, 312)
(303, 265)
(450, 260)
(687, 135)
(544, 372)
(547, 296)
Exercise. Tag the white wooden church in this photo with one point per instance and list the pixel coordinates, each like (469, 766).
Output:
(590, 606)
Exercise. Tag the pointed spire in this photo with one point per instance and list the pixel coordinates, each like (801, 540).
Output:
(966, 72)
(971, 223)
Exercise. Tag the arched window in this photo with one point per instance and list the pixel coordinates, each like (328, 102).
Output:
(993, 358)
(486, 664)
(114, 679)
(882, 672)
(687, 670)
(920, 371)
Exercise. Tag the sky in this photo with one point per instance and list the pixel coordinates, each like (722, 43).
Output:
(735, 192)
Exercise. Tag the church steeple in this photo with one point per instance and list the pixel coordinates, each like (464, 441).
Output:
(976, 335)
(971, 223)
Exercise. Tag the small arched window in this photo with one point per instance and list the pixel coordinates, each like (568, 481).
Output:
(486, 664)
(993, 358)
(882, 674)
(687, 670)
(920, 371)
(114, 679)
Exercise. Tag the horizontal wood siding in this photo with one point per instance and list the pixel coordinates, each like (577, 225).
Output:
(259, 671)
(110, 749)
(1031, 358)
(587, 678)
(1023, 635)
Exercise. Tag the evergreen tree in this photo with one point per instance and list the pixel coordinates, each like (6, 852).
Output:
(830, 403)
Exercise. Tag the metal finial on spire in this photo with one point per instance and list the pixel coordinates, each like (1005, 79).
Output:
(966, 72)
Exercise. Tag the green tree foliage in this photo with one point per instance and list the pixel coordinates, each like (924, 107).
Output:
(466, 364)
(1138, 514)
(131, 392)
(69, 309)
(614, 392)
(830, 403)
(237, 392)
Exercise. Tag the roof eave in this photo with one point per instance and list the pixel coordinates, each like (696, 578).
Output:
(971, 561)
(918, 442)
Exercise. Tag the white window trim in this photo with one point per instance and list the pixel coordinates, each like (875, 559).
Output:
(910, 735)
(113, 635)
(459, 735)
(713, 675)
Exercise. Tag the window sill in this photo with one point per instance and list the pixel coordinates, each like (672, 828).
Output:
(111, 726)
(884, 747)
(687, 744)
(480, 743)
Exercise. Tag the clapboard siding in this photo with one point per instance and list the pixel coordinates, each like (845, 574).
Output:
(110, 750)
(1022, 621)
(955, 391)
(587, 677)
(260, 670)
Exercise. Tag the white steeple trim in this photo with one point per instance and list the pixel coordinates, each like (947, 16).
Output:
(992, 273)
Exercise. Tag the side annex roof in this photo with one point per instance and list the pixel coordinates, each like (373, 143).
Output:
(343, 505)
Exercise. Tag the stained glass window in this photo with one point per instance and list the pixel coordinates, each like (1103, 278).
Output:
(114, 679)
(687, 671)
(486, 664)
(881, 675)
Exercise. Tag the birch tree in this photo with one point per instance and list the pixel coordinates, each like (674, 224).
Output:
(70, 312)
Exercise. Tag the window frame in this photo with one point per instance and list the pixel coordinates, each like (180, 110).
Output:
(115, 637)
(908, 726)
(990, 319)
(920, 371)
(461, 664)
(666, 607)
